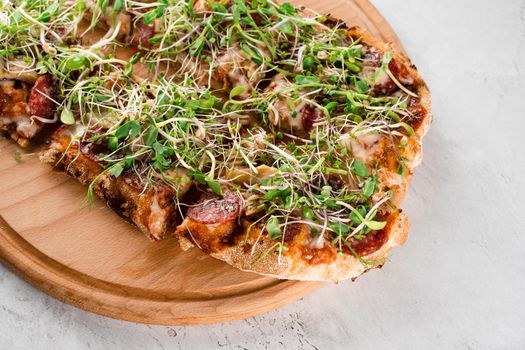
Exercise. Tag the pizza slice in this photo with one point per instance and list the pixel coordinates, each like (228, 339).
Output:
(115, 146)
(148, 203)
(390, 105)
(85, 82)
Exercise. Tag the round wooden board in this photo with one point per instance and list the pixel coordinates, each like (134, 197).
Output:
(92, 259)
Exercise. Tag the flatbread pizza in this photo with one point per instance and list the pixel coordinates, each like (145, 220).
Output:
(273, 138)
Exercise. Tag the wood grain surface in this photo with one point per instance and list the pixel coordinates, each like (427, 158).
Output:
(91, 258)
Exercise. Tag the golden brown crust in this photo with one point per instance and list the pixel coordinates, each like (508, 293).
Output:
(413, 150)
(422, 89)
(256, 254)
(152, 209)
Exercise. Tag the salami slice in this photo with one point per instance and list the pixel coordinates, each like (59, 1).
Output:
(142, 33)
(40, 99)
(213, 209)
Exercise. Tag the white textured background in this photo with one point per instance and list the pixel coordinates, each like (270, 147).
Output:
(459, 283)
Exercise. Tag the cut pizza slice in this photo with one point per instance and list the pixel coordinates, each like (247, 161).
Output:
(151, 204)
(305, 243)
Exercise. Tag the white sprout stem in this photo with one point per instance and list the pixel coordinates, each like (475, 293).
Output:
(109, 37)
(280, 151)
(213, 161)
(376, 206)
(250, 164)
(45, 120)
(394, 79)
(37, 23)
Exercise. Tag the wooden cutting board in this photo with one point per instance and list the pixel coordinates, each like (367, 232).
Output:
(92, 259)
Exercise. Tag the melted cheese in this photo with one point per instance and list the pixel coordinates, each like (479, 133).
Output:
(199, 6)
(364, 147)
(280, 112)
(249, 176)
(156, 219)
(241, 71)
(16, 112)
(75, 131)
(407, 80)
(381, 79)
(25, 127)
(111, 19)
(18, 70)
(6, 120)
(317, 242)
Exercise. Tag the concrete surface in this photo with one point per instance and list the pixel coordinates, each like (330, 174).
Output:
(459, 283)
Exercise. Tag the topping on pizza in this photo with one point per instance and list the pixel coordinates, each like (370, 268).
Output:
(271, 137)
